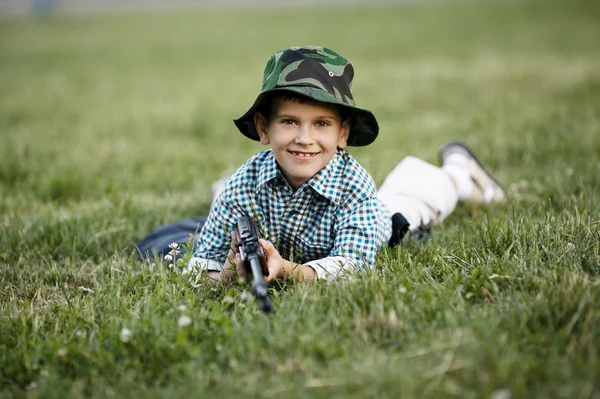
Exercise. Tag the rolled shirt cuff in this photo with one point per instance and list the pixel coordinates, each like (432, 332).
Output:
(198, 265)
(330, 268)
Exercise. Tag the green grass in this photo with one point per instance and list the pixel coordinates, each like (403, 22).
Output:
(112, 125)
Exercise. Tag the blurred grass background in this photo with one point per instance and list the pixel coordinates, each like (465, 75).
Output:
(113, 124)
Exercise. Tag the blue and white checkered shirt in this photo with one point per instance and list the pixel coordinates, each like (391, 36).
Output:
(333, 222)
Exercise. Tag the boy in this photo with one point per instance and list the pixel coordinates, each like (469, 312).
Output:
(319, 209)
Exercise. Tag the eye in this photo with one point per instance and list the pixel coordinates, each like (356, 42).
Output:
(288, 122)
(322, 123)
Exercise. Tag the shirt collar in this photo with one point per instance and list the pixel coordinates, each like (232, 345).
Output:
(269, 171)
(325, 182)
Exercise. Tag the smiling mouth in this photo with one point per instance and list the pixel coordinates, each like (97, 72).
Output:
(303, 154)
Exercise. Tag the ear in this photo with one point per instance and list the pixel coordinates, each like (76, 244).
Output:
(344, 133)
(260, 123)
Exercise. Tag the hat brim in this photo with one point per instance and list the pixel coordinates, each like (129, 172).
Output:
(364, 129)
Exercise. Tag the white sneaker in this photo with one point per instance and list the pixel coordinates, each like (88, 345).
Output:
(485, 188)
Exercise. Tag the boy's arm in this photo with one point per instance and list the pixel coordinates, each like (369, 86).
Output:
(213, 240)
(360, 232)
(279, 268)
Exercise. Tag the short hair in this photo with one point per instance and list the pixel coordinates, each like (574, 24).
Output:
(266, 106)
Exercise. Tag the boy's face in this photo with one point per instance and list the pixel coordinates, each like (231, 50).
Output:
(303, 137)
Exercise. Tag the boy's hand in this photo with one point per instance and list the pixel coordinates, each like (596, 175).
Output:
(280, 268)
(233, 266)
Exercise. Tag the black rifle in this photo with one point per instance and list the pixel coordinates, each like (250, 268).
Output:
(253, 257)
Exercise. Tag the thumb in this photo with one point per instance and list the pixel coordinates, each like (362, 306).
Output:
(268, 247)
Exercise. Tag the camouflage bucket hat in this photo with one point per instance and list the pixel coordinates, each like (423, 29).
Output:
(318, 73)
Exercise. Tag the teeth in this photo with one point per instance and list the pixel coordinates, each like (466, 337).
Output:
(301, 154)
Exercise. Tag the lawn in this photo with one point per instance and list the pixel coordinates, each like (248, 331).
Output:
(111, 125)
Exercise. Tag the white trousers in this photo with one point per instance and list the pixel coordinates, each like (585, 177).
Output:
(424, 194)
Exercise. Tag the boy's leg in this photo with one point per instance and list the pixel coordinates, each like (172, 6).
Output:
(158, 241)
(425, 194)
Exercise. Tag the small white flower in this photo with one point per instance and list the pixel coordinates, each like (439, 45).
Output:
(168, 257)
(245, 296)
(502, 393)
(228, 299)
(570, 171)
(126, 334)
(402, 289)
(44, 373)
(174, 245)
(570, 246)
(174, 252)
(182, 308)
(184, 321)
(170, 265)
(62, 352)
(33, 385)
(393, 319)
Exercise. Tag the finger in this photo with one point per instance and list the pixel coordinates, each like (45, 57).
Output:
(267, 246)
(230, 260)
(241, 269)
(270, 253)
(271, 273)
(234, 240)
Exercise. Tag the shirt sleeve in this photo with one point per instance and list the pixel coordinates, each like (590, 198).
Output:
(329, 268)
(213, 241)
(360, 232)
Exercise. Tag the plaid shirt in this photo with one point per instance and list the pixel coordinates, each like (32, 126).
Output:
(332, 222)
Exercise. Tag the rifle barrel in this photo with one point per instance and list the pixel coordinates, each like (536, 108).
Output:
(259, 285)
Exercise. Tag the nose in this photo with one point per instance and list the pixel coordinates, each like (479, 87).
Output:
(304, 136)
